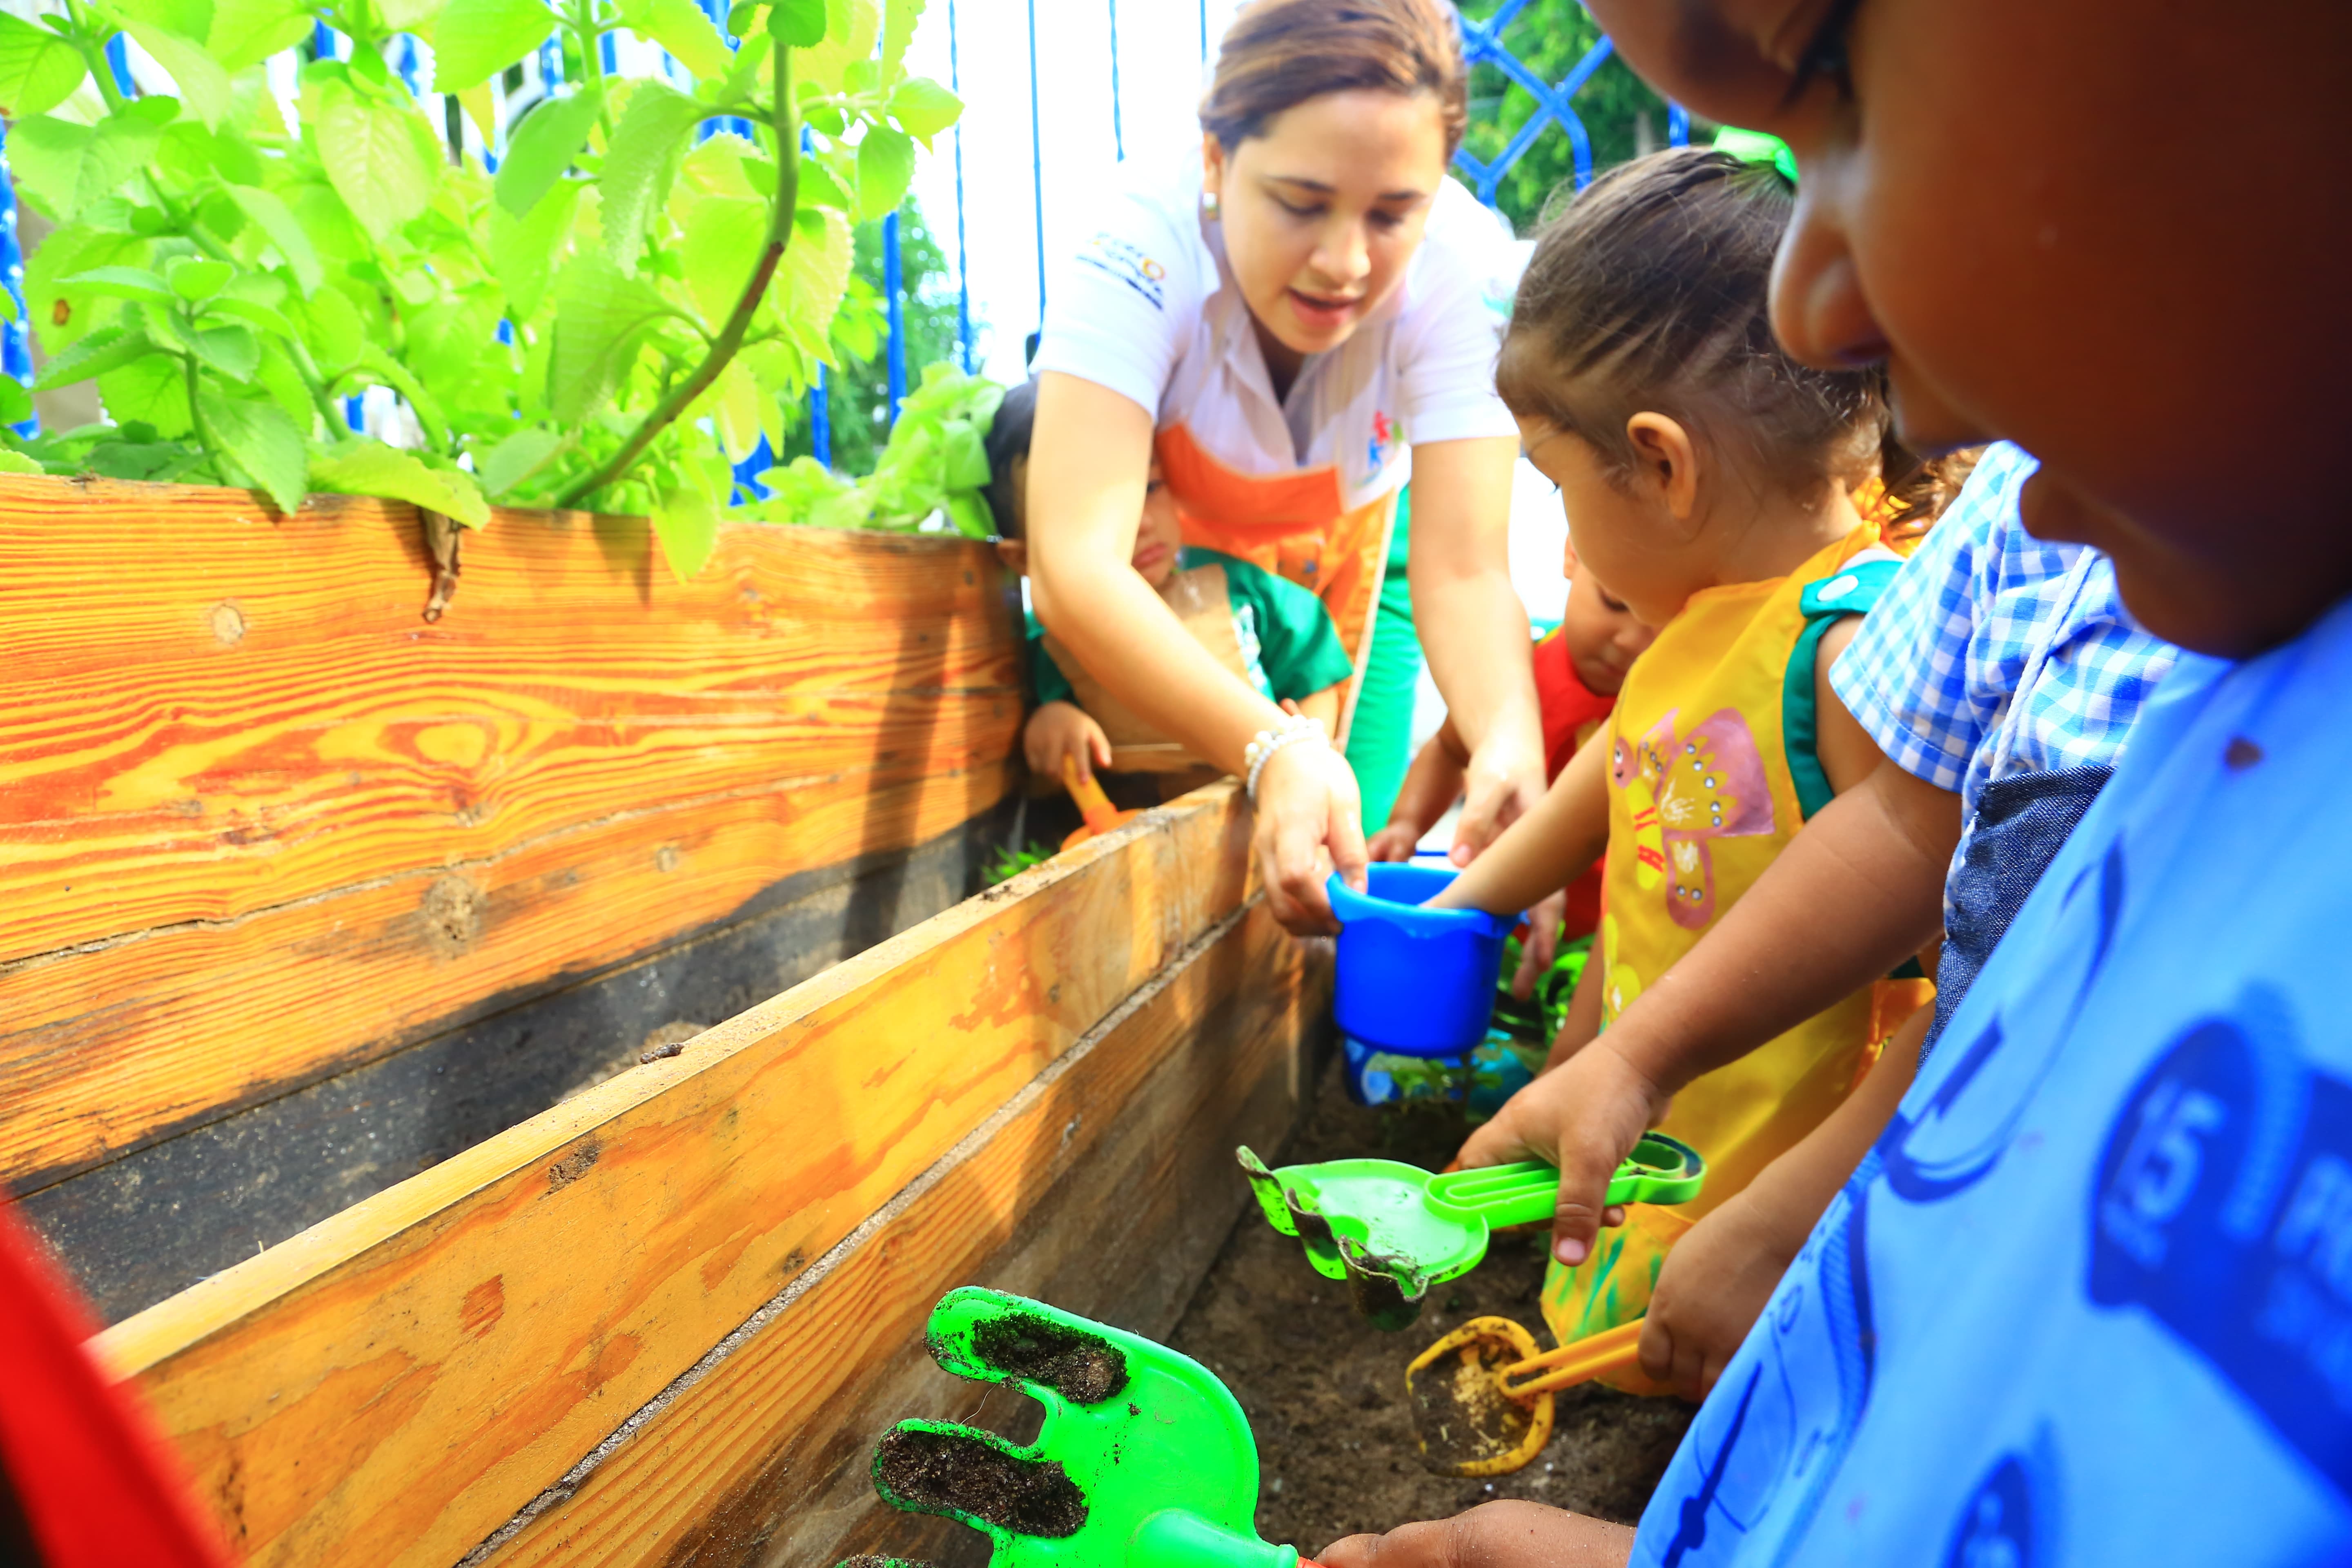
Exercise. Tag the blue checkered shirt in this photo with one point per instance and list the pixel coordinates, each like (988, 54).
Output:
(1931, 675)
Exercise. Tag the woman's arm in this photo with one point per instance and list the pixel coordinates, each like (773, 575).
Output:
(1545, 850)
(1474, 628)
(1087, 464)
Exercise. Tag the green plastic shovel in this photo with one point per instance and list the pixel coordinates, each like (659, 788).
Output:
(1145, 1459)
(1392, 1230)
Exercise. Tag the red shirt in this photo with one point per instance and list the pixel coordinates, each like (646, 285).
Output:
(1573, 714)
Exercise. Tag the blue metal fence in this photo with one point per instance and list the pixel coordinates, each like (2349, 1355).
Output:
(1482, 44)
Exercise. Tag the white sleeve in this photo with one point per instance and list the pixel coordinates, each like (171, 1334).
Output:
(1453, 326)
(1119, 311)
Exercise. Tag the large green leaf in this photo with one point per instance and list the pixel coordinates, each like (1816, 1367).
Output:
(120, 283)
(189, 18)
(679, 27)
(39, 70)
(474, 39)
(899, 19)
(814, 274)
(543, 147)
(247, 32)
(886, 166)
(109, 348)
(260, 439)
(75, 248)
(721, 245)
(338, 332)
(409, 16)
(601, 317)
(849, 29)
(523, 249)
(923, 107)
(203, 85)
(65, 167)
(380, 158)
(516, 458)
(150, 390)
(276, 223)
(372, 469)
(688, 525)
(647, 148)
(799, 22)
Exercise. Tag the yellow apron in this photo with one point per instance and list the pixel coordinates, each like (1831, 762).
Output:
(1712, 772)
(1292, 525)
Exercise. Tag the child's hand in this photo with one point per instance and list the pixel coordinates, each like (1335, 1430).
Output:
(1508, 1534)
(1710, 1293)
(1542, 946)
(1395, 842)
(1585, 1116)
(1059, 730)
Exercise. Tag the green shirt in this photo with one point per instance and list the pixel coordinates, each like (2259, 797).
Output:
(1289, 646)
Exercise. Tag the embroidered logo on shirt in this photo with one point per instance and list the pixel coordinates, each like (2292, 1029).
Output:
(1384, 431)
(1129, 265)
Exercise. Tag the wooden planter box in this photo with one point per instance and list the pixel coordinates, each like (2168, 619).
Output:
(299, 894)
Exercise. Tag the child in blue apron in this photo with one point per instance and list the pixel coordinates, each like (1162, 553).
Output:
(2089, 1298)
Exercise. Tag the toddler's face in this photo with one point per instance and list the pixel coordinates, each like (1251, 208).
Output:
(1159, 535)
(1602, 636)
(2157, 314)
(1618, 537)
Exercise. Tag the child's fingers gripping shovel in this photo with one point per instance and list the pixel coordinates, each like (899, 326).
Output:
(1100, 815)
(1481, 1396)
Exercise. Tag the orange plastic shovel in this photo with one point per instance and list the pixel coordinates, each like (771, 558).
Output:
(1482, 1395)
(1093, 805)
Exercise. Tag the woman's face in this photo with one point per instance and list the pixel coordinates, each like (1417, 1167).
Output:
(2113, 235)
(1322, 211)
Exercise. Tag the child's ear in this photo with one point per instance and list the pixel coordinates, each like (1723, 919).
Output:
(1014, 553)
(1666, 458)
(1567, 557)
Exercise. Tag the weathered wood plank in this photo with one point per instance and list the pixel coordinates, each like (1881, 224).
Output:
(259, 823)
(391, 1386)
(1107, 1190)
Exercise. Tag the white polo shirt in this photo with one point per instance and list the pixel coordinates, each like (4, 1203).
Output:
(1149, 309)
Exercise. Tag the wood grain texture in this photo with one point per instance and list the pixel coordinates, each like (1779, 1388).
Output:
(1108, 1192)
(243, 786)
(391, 1386)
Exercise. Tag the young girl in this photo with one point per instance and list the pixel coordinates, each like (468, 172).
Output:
(1708, 480)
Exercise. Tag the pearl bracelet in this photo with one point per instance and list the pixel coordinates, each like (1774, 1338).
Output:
(1260, 751)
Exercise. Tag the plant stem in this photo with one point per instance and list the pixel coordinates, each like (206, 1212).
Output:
(723, 347)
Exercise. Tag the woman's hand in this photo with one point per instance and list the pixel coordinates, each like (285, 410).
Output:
(1506, 1535)
(1059, 730)
(1505, 781)
(1710, 1293)
(1310, 821)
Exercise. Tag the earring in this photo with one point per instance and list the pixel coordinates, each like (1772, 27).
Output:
(1209, 206)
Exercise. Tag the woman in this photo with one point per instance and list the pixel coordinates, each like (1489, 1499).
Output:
(1293, 334)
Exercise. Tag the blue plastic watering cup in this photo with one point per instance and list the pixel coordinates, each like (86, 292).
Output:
(1417, 982)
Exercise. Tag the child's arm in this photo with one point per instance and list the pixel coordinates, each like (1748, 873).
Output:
(1859, 891)
(1431, 786)
(1583, 1021)
(1063, 728)
(1545, 850)
(1719, 1276)
(1509, 1534)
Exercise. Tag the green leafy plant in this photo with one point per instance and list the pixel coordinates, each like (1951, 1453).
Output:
(228, 275)
(935, 463)
(1010, 863)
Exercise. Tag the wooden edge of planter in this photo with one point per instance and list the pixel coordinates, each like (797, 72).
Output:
(1106, 1186)
(393, 1384)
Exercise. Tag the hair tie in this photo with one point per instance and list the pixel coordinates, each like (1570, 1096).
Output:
(1758, 147)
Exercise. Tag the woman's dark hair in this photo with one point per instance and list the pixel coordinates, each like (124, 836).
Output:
(1651, 290)
(1279, 53)
(1008, 440)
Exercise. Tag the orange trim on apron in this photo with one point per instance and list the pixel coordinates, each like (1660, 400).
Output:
(1292, 525)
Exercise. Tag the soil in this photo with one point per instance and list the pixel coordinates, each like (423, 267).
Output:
(1325, 1390)
(1081, 1368)
(943, 1472)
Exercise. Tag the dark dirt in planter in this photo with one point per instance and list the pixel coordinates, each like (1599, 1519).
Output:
(1325, 1390)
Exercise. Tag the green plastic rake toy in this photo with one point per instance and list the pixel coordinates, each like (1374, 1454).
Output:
(1392, 1230)
(1145, 1459)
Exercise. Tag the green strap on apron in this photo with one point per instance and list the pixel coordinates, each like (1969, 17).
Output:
(1853, 590)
